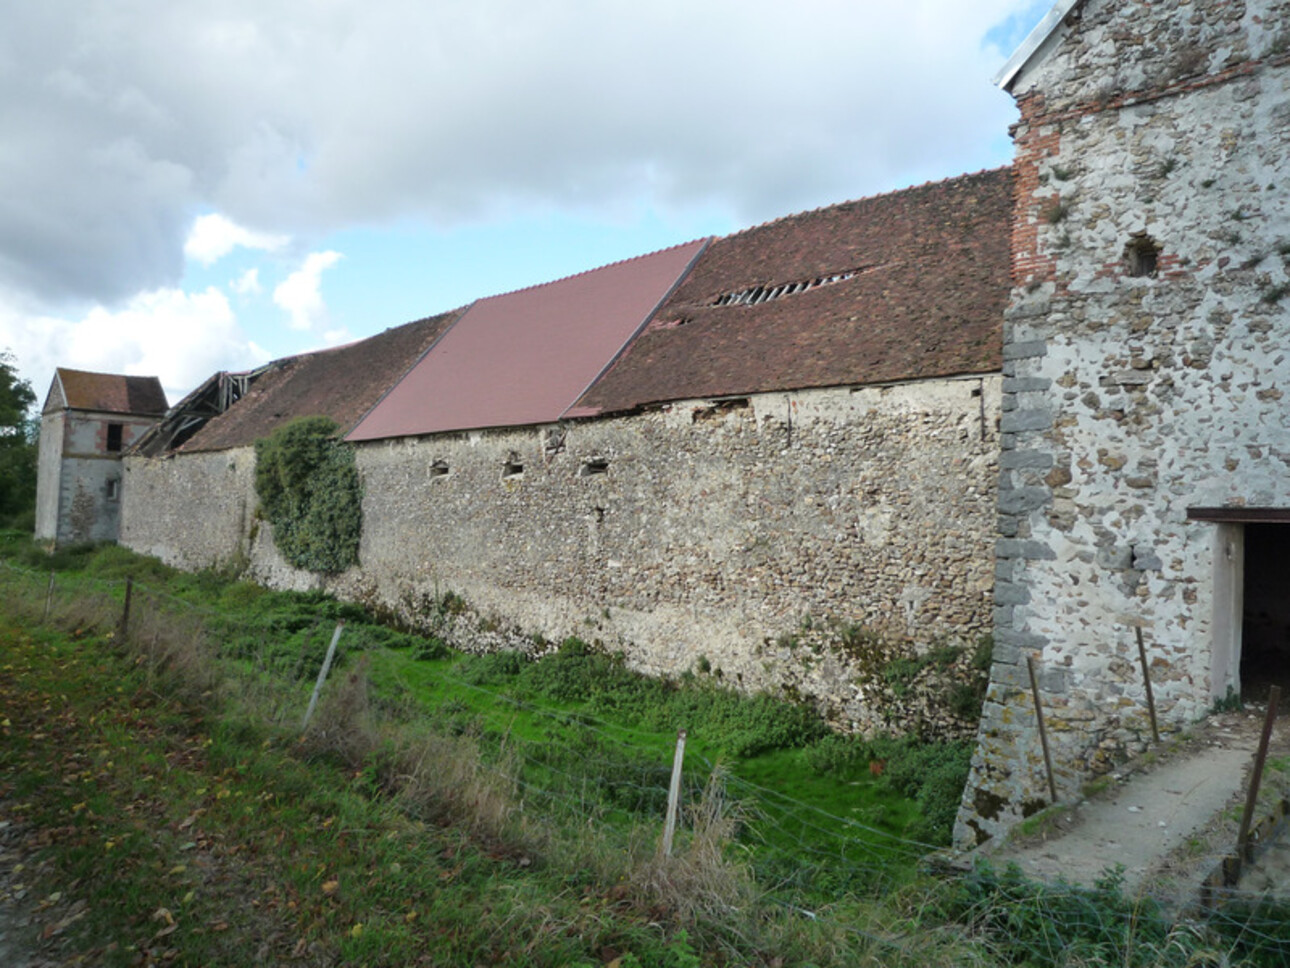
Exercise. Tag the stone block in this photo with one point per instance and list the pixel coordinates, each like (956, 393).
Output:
(1026, 460)
(1055, 681)
(1026, 384)
(1010, 593)
(1012, 638)
(1145, 559)
(1025, 350)
(1115, 558)
(1020, 421)
(1021, 499)
(1017, 548)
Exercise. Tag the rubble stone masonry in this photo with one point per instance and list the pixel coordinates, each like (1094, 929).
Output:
(787, 542)
(1147, 353)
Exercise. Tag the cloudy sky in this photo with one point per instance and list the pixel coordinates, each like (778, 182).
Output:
(191, 187)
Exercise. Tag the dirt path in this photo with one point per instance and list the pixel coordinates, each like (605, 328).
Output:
(1168, 818)
(12, 893)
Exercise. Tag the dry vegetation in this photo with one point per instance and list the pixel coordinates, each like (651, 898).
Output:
(159, 805)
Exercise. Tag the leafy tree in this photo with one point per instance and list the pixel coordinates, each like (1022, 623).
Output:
(309, 491)
(17, 446)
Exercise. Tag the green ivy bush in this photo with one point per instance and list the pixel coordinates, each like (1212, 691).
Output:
(310, 493)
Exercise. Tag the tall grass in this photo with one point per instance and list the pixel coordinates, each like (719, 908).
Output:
(709, 902)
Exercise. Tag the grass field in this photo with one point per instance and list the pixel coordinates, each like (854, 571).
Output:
(160, 804)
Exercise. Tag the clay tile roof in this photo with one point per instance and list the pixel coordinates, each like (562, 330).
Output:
(901, 286)
(522, 358)
(341, 383)
(112, 392)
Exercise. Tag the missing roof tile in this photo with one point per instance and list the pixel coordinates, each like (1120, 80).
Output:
(754, 295)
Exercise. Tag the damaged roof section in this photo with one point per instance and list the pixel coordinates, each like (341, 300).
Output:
(522, 358)
(341, 383)
(902, 286)
(215, 395)
(107, 393)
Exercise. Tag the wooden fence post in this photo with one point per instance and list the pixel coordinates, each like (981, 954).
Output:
(1043, 733)
(673, 794)
(1146, 678)
(49, 598)
(1243, 851)
(125, 611)
(322, 675)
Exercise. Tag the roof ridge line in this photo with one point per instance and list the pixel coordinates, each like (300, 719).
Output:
(868, 198)
(608, 265)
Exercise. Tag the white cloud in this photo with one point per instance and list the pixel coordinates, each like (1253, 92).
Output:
(180, 337)
(123, 119)
(214, 236)
(300, 294)
(247, 284)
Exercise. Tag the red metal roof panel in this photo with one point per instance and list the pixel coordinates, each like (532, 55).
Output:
(524, 357)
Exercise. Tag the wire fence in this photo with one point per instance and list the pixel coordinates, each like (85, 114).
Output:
(570, 769)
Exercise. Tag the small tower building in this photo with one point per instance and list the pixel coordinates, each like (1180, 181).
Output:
(89, 420)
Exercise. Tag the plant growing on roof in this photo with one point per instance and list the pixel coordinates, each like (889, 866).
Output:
(309, 490)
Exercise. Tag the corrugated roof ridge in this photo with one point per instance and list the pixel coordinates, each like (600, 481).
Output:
(607, 265)
(931, 183)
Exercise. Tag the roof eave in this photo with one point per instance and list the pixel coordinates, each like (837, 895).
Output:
(1032, 44)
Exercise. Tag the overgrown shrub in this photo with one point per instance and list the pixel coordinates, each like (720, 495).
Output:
(1029, 923)
(309, 490)
(932, 774)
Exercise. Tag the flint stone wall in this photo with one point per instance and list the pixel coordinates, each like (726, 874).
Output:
(1128, 399)
(751, 536)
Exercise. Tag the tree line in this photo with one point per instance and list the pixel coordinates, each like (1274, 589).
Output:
(19, 428)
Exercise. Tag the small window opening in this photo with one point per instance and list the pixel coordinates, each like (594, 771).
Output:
(512, 468)
(113, 488)
(1141, 255)
(597, 465)
(719, 409)
(114, 437)
(439, 468)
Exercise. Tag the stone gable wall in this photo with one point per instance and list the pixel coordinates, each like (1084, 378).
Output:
(79, 481)
(1128, 399)
(792, 542)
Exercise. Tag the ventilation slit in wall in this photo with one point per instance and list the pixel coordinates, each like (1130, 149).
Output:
(439, 468)
(597, 465)
(1141, 255)
(512, 468)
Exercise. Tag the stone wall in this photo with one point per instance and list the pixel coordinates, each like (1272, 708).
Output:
(793, 542)
(192, 511)
(1146, 357)
(49, 459)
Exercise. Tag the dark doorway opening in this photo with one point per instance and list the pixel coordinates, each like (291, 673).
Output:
(1265, 624)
